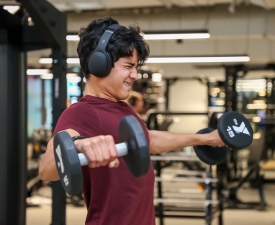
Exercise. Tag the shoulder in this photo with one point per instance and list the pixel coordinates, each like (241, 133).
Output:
(80, 116)
(79, 108)
(80, 105)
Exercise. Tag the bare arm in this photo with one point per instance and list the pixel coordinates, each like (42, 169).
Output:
(164, 141)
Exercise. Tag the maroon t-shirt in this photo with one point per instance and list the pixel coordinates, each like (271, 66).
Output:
(113, 196)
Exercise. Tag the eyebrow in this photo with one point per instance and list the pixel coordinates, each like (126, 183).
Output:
(130, 63)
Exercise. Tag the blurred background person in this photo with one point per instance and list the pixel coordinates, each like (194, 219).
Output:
(136, 101)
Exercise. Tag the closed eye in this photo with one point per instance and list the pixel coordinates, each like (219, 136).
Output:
(129, 65)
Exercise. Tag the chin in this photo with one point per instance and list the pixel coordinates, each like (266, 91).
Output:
(124, 97)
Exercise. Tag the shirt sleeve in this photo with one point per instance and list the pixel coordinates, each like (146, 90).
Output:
(81, 118)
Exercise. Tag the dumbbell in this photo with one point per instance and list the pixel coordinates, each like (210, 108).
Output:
(133, 147)
(234, 130)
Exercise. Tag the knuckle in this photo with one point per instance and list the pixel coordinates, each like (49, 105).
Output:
(113, 154)
(90, 158)
(99, 160)
(94, 141)
(106, 158)
(109, 138)
(86, 146)
(101, 138)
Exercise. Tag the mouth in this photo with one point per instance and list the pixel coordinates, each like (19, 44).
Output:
(127, 84)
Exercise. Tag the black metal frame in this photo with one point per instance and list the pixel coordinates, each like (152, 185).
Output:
(232, 73)
(13, 132)
(207, 213)
(16, 38)
(52, 25)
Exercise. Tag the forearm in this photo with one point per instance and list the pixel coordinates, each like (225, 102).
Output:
(163, 141)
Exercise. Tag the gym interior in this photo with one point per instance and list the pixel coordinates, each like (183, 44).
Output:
(211, 57)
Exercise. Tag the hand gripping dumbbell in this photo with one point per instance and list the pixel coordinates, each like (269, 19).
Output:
(234, 130)
(134, 149)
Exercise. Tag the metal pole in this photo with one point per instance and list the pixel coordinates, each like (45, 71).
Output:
(13, 132)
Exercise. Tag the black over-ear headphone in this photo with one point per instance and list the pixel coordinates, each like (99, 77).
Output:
(100, 62)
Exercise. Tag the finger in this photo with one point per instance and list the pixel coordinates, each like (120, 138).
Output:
(105, 152)
(96, 147)
(91, 157)
(111, 147)
(87, 150)
(114, 164)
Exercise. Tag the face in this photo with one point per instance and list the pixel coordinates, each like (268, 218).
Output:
(118, 84)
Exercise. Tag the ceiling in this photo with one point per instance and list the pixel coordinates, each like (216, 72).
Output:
(233, 28)
(86, 5)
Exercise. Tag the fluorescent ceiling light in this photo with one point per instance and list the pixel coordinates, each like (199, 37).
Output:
(45, 60)
(176, 36)
(73, 60)
(204, 59)
(69, 76)
(194, 59)
(163, 35)
(37, 71)
(50, 60)
(71, 37)
(11, 8)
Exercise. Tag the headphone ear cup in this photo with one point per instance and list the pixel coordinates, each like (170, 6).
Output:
(99, 64)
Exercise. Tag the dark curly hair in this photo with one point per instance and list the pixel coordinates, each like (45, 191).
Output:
(121, 44)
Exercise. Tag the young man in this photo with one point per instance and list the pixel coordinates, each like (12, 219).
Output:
(113, 196)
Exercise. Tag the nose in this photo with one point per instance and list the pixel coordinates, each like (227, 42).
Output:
(134, 74)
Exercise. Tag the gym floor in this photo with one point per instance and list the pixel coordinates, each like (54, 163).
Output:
(76, 215)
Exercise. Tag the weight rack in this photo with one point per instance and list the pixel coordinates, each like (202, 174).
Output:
(193, 208)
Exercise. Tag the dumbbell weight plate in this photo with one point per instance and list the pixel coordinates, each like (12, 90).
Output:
(209, 154)
(235, 130)
(138, 157)
(66, 156)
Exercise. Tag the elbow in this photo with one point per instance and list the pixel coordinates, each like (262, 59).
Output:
(42, 173)
(154, 151)
(47, 173)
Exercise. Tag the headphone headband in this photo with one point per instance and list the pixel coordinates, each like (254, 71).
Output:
(108, 33)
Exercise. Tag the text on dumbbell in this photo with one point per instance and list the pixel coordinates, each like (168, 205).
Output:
(60, 164)
(230, 132)
(66, 180)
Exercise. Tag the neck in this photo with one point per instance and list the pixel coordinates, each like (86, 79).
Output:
(94, 88)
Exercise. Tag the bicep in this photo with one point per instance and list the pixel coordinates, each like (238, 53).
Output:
(71, 132)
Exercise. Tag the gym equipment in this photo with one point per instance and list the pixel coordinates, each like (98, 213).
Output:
(234, 130)
(134, 148)
(100, 62)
